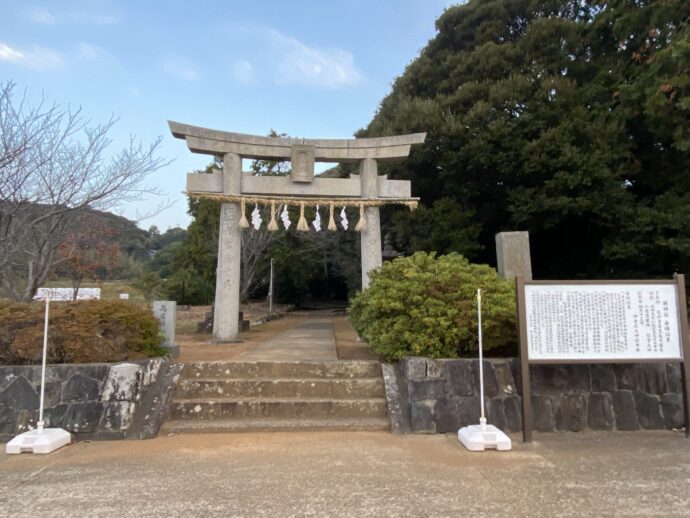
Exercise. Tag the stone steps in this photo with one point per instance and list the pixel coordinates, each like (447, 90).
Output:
(218, 408)
(279, 396)
(282, 370)
(266, 387)
(341, 424)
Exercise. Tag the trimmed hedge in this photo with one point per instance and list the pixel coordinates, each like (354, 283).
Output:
(79, 332)
(425, 305)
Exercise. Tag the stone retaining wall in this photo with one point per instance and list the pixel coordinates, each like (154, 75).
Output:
(92, 401)
(438, 396)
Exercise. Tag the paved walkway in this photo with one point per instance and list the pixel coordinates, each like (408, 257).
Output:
(638, 474)
(312, 338)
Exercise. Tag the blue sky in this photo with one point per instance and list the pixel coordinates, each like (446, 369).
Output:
(314, 69)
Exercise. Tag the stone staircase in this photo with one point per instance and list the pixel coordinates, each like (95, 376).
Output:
(279, 396)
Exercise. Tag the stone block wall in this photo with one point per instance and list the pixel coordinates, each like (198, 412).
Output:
(91, 401)
(438, 396)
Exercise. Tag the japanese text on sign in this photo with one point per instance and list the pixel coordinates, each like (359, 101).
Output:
(602, 321)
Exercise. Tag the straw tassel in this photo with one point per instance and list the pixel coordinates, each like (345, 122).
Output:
(273, 225)
(302, 223)
(331, 221)
(244, 223)
(361, 224)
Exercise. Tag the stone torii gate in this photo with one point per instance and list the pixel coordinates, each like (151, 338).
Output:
(231, 186)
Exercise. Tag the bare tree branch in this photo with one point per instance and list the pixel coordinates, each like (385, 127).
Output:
(54, 165)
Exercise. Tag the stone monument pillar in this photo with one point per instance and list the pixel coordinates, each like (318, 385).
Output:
(512, 255)
(166, 312)
(371, 235)
(227, 303)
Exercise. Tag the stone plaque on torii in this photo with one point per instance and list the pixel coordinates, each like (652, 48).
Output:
(233, 189)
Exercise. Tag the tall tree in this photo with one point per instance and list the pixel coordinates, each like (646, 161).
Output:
(565, 118)
(87, 251)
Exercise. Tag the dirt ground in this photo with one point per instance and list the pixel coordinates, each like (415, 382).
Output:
(627, 474)
(346, 341)
(198, 347)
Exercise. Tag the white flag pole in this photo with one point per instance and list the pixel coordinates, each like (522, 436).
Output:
(43, 363)
(40, 440)
(482, 419)
(482, 436)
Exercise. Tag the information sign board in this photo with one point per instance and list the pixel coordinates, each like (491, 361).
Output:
(601, 322)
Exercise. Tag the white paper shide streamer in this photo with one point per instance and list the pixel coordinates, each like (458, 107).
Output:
(343, 218)
(317, 220)
(256, 218)
(285, 217)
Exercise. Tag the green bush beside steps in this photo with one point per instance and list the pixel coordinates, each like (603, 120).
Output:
(423, 305)
(79, 332)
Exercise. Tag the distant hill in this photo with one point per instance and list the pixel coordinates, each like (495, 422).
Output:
(137, 244)
(338, 171)
(134, 241)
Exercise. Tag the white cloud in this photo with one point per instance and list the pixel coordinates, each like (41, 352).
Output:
(94, 18)
(41, 16)
(9, 54)
(243, 72)
(89, 51)
(89, 13)
(301, 64)
(180, 68)
(292, 62)
(332, 68)
(36, 58)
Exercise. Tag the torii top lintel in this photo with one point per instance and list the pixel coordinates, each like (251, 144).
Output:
(214, 142)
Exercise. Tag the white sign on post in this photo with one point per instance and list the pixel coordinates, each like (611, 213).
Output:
(601, 322)
(67, 294)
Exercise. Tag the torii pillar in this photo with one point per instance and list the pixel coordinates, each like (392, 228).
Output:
(233, 147)
(370, 244)
(229, 257)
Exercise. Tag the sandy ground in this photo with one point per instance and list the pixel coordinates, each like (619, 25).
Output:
(198, 347)
(353, 474)
(347, 344)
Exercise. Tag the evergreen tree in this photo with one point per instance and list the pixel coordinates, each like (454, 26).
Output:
(565, 118)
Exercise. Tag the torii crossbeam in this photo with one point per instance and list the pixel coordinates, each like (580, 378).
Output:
(230, 185)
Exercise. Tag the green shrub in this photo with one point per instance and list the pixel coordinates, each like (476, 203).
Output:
(425, 305)
(79, 332)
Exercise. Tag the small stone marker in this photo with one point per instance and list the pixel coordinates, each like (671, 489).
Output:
(165, 312)
(512, 255)
(124, 296)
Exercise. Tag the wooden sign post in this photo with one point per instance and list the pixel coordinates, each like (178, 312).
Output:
(632, 321)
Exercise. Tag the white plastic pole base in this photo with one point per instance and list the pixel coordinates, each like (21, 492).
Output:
(479, 437)
(39, 441)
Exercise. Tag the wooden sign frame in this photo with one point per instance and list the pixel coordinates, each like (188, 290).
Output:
(678, 281)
